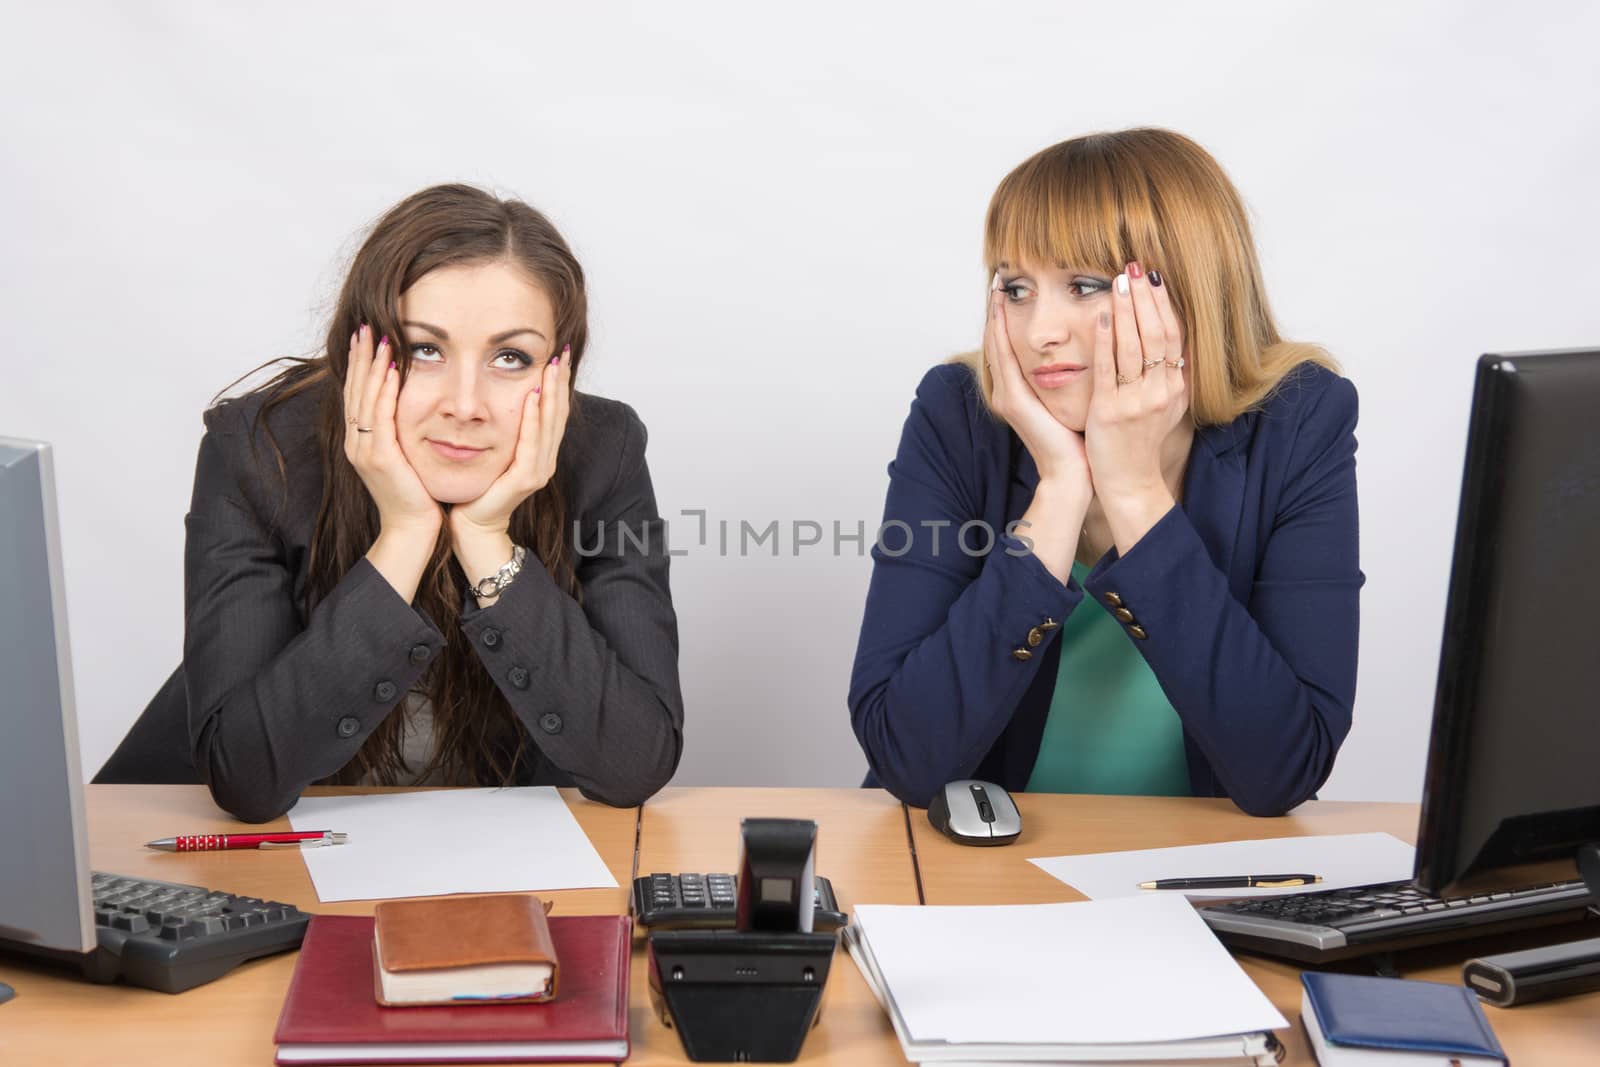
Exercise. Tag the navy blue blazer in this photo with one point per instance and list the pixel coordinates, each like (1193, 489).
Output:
(1248, 592)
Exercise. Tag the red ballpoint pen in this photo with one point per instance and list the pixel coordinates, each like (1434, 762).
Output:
(216, 842)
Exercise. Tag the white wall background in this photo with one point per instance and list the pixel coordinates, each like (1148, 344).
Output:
(780, 213)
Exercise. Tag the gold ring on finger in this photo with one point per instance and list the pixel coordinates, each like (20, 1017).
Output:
(1151, 363)
(1126, 380)
(363, 429)
(1175, 364)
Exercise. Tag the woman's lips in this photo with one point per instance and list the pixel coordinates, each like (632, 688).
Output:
(455, 452)
(1055, 375)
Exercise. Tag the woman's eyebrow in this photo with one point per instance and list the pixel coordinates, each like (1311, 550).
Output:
(496, 339)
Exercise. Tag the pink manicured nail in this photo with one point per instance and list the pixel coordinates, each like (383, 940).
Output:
(384, 342)
(391, 364)
(556, 362)
(536, 390)
(566, 350)
(363, 330)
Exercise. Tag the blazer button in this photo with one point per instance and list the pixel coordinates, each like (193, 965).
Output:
(384, 691)
(550, 722)
(349, 726)
(1114, 600)
(1138, 631)
(1035, 637)
(1049, 624)
(1022, 654)
(491, 638)
(1123, 615)
(518, 677)
(420, 653)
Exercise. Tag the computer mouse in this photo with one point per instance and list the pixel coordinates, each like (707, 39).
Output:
(975, 813)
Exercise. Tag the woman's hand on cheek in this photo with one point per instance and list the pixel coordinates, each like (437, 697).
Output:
(543, 424)
(371, 393)
(1140, 398)
(1057, 451)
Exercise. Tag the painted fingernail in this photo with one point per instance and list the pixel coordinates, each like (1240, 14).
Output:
(384, 341)
(536, 390)
(1105, 320)
(556, 362)
(391, 364)
(1155, 278)
(566, 350)
(363, 330)
(1134, 270)
(1122, 284)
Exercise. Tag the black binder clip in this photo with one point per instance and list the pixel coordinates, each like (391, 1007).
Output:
(751, 993)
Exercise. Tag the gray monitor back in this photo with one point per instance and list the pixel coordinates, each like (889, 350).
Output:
(44, 855)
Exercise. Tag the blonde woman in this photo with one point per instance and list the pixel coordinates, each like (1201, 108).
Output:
(1119, 551)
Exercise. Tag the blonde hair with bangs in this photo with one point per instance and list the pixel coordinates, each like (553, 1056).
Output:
(1098, 202)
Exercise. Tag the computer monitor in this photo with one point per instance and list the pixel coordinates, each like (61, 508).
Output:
(45, 902)
(1512, 791)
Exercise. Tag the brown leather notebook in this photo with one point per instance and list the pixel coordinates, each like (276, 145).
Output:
(485, 948)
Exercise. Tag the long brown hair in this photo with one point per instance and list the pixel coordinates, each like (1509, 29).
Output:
(1153, 196)
(477, 738)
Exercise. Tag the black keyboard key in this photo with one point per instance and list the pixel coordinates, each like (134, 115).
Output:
(134, 924)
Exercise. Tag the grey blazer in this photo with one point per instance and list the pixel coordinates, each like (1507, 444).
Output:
(276, 699)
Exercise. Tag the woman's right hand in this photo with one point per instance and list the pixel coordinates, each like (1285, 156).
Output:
(371, 392)
(1057, 451)
(1053, 523)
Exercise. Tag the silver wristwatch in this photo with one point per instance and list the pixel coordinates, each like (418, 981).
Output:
(496, 583)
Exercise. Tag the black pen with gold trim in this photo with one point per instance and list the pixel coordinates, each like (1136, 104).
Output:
(1236, 881)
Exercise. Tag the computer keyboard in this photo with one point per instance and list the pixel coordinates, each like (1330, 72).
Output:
(172, 937)
(1340, 923)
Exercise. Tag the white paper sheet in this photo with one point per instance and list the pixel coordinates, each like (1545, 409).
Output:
(1341, 859)
(448, 841)
(1095, 973)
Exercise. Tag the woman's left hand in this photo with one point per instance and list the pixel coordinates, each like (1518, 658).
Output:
(1140, 397)
(544, 423)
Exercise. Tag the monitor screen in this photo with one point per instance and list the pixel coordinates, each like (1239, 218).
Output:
(44, 856)
(1513, 774)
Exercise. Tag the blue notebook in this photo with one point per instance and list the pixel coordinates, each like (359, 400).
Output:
(1357, 1019)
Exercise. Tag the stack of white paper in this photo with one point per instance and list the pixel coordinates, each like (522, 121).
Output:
(1140, 980)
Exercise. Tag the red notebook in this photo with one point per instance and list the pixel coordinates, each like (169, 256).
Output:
(331, 1016)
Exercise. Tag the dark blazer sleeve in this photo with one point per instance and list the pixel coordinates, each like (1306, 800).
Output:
(1264, 688)
(935, 682)
(277, 702)
(596, 683)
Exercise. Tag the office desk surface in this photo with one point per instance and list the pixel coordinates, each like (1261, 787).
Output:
(862, 848)
(1558, 1032)
(57, 1019)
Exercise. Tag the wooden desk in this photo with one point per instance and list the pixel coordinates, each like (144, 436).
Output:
(861, 849)
(57, 1019)
(1559, 1032)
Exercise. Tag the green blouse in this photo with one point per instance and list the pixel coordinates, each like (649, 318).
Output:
(1111, 729)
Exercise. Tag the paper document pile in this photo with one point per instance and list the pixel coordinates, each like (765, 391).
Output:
(1133, 981)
